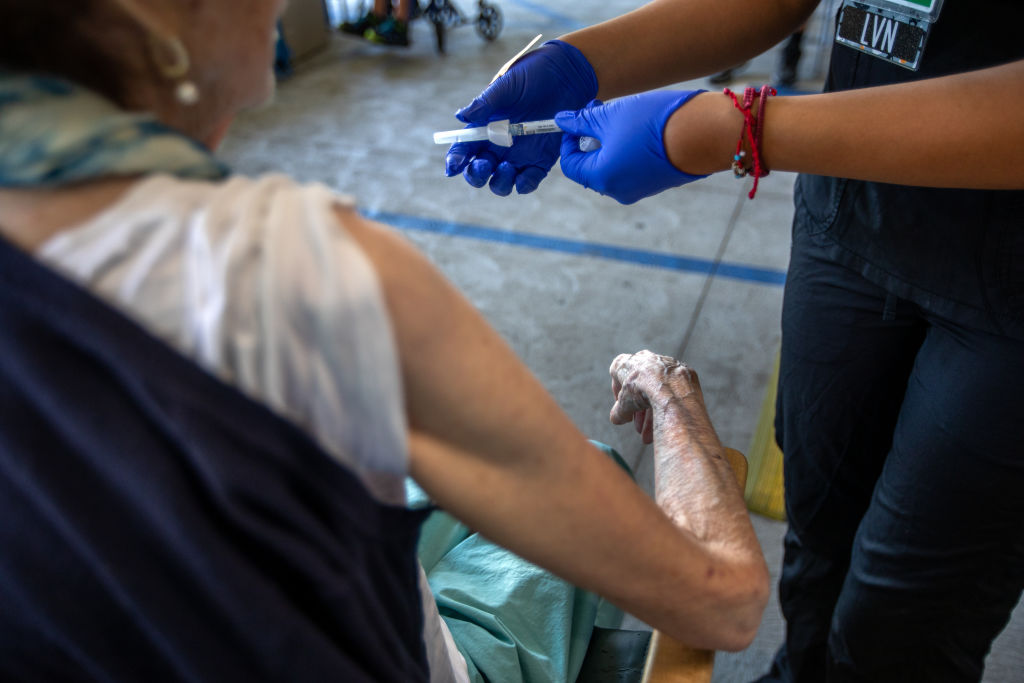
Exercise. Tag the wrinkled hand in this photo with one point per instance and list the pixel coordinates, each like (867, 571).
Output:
(632, 162)
(554, 77)
(642, 383)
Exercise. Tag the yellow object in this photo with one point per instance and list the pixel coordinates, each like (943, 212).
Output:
(764, 491)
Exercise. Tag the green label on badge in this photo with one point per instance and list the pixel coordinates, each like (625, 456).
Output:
(919, 8)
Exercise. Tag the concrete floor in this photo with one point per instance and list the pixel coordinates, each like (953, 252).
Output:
(568, 277)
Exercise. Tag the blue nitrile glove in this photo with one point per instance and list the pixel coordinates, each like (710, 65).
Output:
(631, 163)
(554, 77)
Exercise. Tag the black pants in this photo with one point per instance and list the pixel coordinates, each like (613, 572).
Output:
(903, 437)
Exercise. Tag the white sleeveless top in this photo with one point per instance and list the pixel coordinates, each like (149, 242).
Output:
(257, 282)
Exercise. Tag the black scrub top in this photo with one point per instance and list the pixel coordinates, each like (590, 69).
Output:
(957, 253)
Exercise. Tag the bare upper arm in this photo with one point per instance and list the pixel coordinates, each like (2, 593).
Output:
(491, 446)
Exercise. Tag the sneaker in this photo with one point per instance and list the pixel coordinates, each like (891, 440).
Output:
(358, 28)
(391, 31)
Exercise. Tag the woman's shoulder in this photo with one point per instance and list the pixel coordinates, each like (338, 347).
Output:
(201, 258)
(258, 281)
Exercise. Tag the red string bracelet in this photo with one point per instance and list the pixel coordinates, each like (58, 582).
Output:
(753, 130)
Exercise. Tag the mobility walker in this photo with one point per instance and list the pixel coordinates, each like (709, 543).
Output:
(444, 14)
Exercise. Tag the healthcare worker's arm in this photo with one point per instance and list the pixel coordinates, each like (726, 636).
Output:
(669, 41)
(954, 131)
(494, 449)
(663, 42)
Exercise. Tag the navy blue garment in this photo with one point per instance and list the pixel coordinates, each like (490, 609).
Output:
(156, 525)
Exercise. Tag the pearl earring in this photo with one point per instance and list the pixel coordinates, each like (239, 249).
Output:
(172, 60)
(186, 93)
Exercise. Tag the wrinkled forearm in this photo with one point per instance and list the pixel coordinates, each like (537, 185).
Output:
(697, 489)
(694, 483)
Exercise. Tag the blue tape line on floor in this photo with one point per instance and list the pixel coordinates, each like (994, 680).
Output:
(611, 252)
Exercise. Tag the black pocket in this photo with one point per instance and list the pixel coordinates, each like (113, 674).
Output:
(817, 199)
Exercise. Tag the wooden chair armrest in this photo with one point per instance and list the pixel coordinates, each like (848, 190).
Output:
(668, 660)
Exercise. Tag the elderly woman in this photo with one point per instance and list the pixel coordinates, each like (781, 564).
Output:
(215, 386)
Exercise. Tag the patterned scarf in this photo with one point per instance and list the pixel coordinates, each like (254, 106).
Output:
(53, 133)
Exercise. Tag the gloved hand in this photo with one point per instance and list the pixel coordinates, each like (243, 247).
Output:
(554, 77)
(631, 163)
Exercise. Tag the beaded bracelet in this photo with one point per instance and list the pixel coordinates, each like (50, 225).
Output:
(753, 130)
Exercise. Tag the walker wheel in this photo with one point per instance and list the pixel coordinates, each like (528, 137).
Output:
(489, 22)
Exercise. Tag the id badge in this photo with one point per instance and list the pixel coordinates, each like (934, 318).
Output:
(893, 30)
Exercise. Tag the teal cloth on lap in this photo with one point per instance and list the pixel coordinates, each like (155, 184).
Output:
(512, 621)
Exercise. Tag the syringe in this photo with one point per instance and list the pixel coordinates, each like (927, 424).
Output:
(502, 133)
